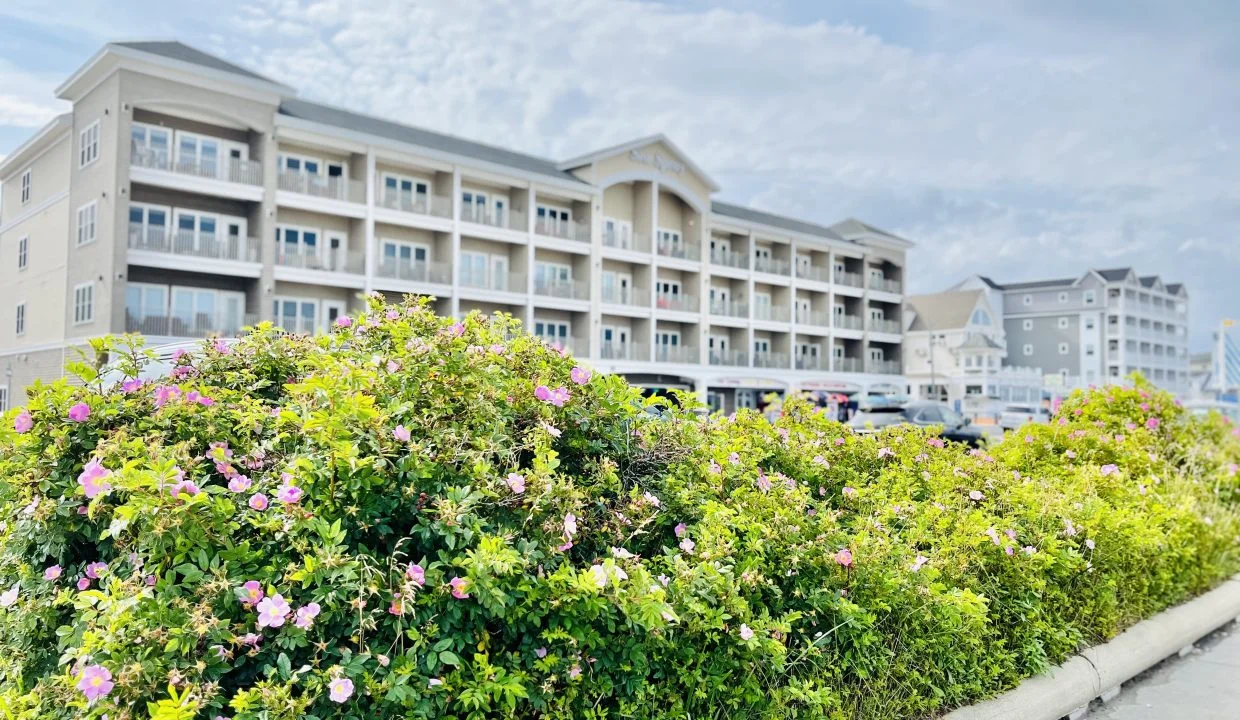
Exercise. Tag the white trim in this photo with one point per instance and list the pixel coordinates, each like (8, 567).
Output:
(89, 306)
(92, 209)
(86, 144)
(62, 123)
(267, 86)
(625, 147)
(19, 319)
(23, 253)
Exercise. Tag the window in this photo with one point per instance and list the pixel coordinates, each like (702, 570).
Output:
(150, 145)
(26, 186)
(404, 259)
(1089, 322)
(547, 275)
(552, 220)
(297, 242)
(83, 303)
(876, 354)
(4, 398)
(86, 217)
(1089, 350)
(618, 233)
(1063, 323)
(21, 318)
(980, 317)
(1028, 300)
(553, 332)
(296, 315)
(670, 243)
(1028, 349)
(1063, 297)
(761, 346)
(405, 193)
(23, 252)
(88, 145)
(1027, 325)
(1090, 297)
(1063, 348)
(745, 400)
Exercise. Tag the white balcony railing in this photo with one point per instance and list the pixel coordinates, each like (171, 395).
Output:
(774, 266)
(771, 313)
(227, 169)
(731, 358)
(506, 219)
(413, 271)
(729, 308)
(188, 243)
(727, 258)
(883, 367)
(847, 278)
(331, 188)
(683, 303)
(567, 230)
(847, 364)
(622, 240)
(810, 362)
(884, 284)
(814, 272)
(416, 203)
(681, 250)
(813, 317)
(194, 325)
(848, 322)
(566, 289)
(884, 326)
(632, 296)
(624, 351)
(502, 282)
(770, 359)
(328, 260)
(676, 353)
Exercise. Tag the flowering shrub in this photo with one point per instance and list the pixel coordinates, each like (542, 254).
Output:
(411, 517)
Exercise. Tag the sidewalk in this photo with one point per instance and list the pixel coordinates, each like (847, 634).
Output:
(1205, 685)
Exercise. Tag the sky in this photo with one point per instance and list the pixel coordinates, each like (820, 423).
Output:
(1020, 139)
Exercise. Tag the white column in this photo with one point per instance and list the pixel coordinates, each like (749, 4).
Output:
(370, 221)
(531, 197)
(455, 302)
(830, 349)
(654, 263)
(749, 297)
(595, 317)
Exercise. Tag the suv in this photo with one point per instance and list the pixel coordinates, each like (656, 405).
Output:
(955, 427)
(1016, 415)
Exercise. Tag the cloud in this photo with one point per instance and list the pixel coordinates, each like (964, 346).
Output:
(24, 98)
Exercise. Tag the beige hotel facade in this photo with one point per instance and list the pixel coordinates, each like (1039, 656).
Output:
(184, 196)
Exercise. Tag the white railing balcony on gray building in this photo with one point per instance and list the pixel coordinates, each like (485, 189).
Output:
(675, 353)
(885, 326)
(570, 230)
(814, 272)
(572, 345)
(621, 240)
(683, 251)
(501, 282)
(566, 289)
(416, 203)
(506, 219)
(771, 313)
(727, 258)
(329, 261)
(730, 358)
(813, 317)
(847, 278)
(729, 308)
(187, 243)
(682, 303)
(885, 284)
(773, 266)
(770, 360)
(331, 188)
(414, 271)
(195, 325)
(810, 362)
(884, 367)
(228, 169)
(631, 296)
(848, 364)
(624, 351)
(848, 322)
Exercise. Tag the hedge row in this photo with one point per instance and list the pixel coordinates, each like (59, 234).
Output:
(415, 518)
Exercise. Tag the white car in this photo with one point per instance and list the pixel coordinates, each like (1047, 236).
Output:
(1016, 415)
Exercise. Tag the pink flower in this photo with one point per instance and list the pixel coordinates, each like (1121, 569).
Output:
(516, 483)
(221, 346)
(178, 354)
(976, 495)
(687, 546)
(1071, 454)
(1108, 469)
(340, 690)
(184, 487)
(715, 468)
(556, 397)
(95, 570)
(935, 442)
(1089, 543)
(679, 530)
(397, 607)
(580, 375)
(9, 597)
(885, 452)
(258, 501)
(570, 525)
(734, 458)
(574, 672)
(94, 479)
(164, 393)
(848, 491)
(83, 583)
(305, 615)
(289, 494)
(95, 681)
(839, 441)
(52, 573)
(1151, 424)
(918, 562)
(251, 592)
(239, 483)
(401, 433)
(844, 557)
(344, 321)
(456, 330)
(746, 633)
(23, 422)
(540, 652)
(79, 412)
(1028, 438)
(459, 587)
(272, 611)
(764, 483)
(1119, 438)
(416, 575)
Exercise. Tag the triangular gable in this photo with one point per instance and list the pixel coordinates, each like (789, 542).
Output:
(655, 151)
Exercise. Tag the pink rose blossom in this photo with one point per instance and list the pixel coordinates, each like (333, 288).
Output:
(9, 597)
(344, 321)
(849, 491)
(918, 562)
(305, 615)
(687, 545)
(540, 652)
(23, 422)
(844, 557)
(457, 329)
(392, 314)
(52, 573)
(94, 682)
(1108, 469)
(95, 570)
(221, 346)
(289, 494)
(745, 633)
(251, 592)
(459, 587)
(401, 433)
(150, 580)
(679, 530)
(239, 483)
(79, 412)
(516, 483)
(272, 611)
(570, 525)
(83, 583)
(580, 375)
(258, 501)
(935, 442)
(94, 479)
(885, 452)
(764, 483)
(976, 495)
(1152, 424)
(416, 575)
(340, 690)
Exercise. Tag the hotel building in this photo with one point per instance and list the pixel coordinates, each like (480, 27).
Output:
(184, 196)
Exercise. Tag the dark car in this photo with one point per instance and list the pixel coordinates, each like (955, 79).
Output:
(954, 426)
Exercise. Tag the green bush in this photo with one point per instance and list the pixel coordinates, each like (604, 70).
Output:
(414, 518)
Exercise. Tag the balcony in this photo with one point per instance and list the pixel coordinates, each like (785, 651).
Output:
(571, 345)
(884, 367)
(810, 362)
(416, 203)
(624, 351)
(884, 284)
(730, 358)
(565, 230)
(328, 261)
(770, 360)
(726, 258)
(813, 272)
(411, 271)
(504, 219)
(233, 170)
(681, 251)
(500, 282)
(848, 364)
(675, 353)
(773, 266)
(885, 326)
(319, 186)
(565, 289)
(816, 318)
(630, 296)
(847, 279)
(680, 303)
(192, 325)
(848, 322)
(621, 240)
(187, 243)
(729, 308)
(771, 313)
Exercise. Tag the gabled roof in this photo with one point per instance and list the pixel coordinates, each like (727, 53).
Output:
(1041, 284)
(47, 135)
(978, 341)
(1175, 288)
(356, 122)
(641, 142)
(990, 283)
(1148, 281)
(1115, 274)
(175, 50)
(777, 221)
(852, 227)
(943, 311)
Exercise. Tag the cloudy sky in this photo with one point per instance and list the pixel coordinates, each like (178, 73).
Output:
(1017, 138)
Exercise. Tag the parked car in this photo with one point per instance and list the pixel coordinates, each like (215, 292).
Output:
(157, 368)
(955, 427)
(1015, 415)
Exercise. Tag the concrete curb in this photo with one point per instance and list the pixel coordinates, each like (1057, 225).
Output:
(1067, 689)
